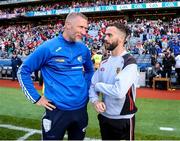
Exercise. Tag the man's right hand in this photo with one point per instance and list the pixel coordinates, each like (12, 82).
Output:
(45, 103)
(99, 106)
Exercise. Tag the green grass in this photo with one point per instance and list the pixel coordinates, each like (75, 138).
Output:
(17, 104)
(155, 113)
(152, 114)
(35, 137)
(7, 134)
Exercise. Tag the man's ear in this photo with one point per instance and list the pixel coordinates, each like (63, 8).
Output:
(120, 41)
(68, 25)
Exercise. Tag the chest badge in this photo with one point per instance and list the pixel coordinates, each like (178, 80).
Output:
(79, 58)
(118, 70)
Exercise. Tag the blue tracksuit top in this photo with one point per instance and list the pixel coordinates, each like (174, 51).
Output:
(67, 70)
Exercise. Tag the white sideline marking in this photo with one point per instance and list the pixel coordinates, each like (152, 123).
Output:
(31, 132)
(20, 128)
(26, 136)
(166, 128)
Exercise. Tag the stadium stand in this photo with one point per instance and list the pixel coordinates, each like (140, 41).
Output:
(154, 24)
(5, 68)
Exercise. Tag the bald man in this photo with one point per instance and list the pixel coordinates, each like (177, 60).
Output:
(116, 80)
(66, 67)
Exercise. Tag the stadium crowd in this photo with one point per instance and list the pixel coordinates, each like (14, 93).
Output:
(72, 4)
(148, 37)
(156, 38)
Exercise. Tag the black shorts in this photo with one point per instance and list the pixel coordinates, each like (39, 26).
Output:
(55, 123)
(116, 129)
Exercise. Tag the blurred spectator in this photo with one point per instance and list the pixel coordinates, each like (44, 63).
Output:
(177, 68)
(15, 63)
(153, 59)
(168, 63)
(155, 72)
(97, 58)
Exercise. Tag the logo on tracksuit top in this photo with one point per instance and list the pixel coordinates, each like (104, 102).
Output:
(118, 70)
(59, 48)
(79, 58)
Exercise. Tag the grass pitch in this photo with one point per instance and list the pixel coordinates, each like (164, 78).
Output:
(152, 114)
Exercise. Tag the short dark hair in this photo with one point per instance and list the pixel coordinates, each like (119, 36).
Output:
(122, 27)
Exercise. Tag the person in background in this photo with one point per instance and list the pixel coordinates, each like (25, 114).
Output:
(97, 58)
(168, 62)
(156, 72)
(15, 63)
(177, 68)
(66, 67)
(116, 80)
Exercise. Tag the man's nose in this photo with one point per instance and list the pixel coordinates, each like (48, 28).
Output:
(83, 31)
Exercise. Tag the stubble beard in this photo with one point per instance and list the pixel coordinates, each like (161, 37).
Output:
(112, 46)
